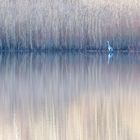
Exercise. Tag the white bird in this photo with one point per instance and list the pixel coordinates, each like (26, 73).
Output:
(110, 49)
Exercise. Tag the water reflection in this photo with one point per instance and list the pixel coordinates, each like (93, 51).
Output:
(69, 97)
(110, 55)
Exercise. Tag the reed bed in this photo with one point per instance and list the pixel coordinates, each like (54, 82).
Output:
(69, 24)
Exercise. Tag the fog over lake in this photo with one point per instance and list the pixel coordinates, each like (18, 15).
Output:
(69, 69)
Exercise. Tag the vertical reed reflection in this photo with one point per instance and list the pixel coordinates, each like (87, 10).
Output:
(69, 97)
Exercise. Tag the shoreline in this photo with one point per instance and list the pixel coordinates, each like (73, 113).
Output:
(63, 50)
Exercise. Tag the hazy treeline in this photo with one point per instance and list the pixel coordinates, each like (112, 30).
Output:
(69, 24)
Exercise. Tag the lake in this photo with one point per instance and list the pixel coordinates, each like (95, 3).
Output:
(69, 96)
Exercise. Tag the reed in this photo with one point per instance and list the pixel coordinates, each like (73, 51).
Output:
(69, 24)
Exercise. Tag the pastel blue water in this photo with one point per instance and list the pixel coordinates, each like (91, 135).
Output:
(69, 96)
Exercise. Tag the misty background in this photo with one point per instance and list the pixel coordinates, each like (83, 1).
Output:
(69, 24)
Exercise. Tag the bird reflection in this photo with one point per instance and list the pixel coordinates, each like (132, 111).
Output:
(110, 55)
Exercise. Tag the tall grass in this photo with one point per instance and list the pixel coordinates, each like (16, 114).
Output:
(69, 24)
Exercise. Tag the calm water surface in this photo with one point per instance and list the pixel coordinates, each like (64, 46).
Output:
(69, 97)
